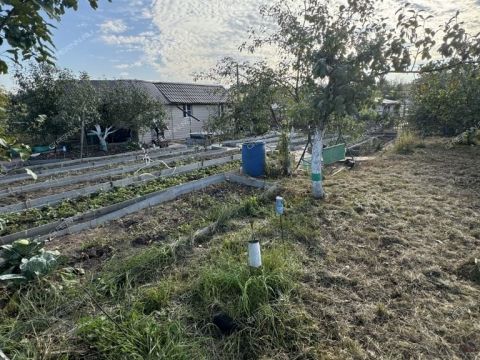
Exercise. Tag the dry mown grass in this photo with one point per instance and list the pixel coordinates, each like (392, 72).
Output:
(392, 240)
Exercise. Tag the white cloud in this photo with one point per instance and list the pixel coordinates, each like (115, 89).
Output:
(191, 35)
(129, 66)
(117, 26)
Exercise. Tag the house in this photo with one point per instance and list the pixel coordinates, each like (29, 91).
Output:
(188, 107)
(389, 107)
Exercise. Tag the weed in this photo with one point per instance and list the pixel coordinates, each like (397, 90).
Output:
(123, 274)
(156, 298)
(242, 290)
(407, 142)
(138, 336)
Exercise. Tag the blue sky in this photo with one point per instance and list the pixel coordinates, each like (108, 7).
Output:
(170, 40)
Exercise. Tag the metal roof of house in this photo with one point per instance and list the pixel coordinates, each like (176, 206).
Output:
(174, 93)
(181, 93)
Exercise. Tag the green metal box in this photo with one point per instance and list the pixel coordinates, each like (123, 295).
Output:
(331, 155)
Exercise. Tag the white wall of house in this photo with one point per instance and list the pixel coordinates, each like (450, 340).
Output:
(180, 127)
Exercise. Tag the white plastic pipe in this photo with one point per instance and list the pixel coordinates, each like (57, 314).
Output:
(254, 254)
(279, 205)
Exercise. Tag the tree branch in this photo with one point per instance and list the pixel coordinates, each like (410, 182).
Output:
(426, 71)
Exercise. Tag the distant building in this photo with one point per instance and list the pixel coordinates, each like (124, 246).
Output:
(188, 106)
(389, 107)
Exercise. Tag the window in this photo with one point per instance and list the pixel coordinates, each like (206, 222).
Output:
(187, 110)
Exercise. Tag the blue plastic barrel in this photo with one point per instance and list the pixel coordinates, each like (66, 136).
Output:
(253, 158)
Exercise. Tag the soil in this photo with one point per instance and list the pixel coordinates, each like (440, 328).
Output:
(158, 224)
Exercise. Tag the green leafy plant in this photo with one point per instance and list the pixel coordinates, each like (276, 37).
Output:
(25, 260)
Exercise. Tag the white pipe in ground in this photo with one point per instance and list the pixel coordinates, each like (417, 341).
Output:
(279, 207)
(254, 254)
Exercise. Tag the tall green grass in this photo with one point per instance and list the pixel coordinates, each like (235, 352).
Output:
(138, 336)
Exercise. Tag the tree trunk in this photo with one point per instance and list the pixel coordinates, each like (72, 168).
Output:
(103, 144)
(317, 149)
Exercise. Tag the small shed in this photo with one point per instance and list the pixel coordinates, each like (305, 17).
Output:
(389, 107)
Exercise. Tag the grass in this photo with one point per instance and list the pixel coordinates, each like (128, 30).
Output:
(407, 142)
(383, 268)
(137, 336)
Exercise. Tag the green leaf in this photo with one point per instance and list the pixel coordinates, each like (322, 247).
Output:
(40, 264)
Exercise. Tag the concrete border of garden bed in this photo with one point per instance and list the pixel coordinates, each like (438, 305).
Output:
(133, 180)
(99, 175)
(100, 216)
(35, 164)
(91, 165)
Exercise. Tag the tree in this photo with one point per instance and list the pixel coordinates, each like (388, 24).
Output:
(447, 102)
(343, 50)
(253, 97)
(102, 136)
(25, 30)
(27, 35)
(125, 103)
(42, 107)
(77, 107)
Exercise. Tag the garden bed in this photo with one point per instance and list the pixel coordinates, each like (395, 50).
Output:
(8, 195)
(16, 222)
(109, 169)
(161, 224)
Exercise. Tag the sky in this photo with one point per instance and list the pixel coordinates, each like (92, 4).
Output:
(171, 40)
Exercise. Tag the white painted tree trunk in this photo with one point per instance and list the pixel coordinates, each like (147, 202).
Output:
(103, 144)
(317, 149)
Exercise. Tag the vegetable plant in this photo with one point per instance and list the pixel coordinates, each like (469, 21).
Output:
(25, 260)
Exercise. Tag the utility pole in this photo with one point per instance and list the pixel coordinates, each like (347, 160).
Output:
(82, 137)
(238, 78)
(238, 98)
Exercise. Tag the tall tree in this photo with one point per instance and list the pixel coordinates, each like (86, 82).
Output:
(342, 50)
(77, 107)
(253, 97)
(25, 30)
(35, 106)
(26, 34)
